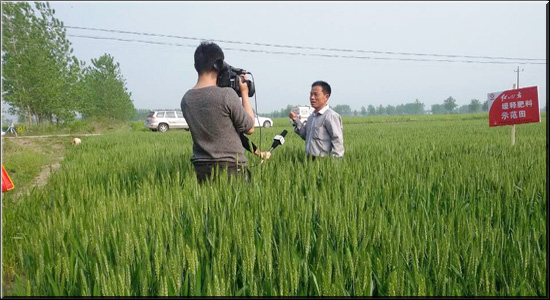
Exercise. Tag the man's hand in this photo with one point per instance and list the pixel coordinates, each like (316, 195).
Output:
(292, 116)
(265, 155)
(246, 104)
(262, 155)
(242, 85)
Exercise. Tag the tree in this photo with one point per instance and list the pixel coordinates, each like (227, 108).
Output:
(450, 104)
(438, 109)
(380, 110)
(141, 114)
(485, 106)
(363, 111)
(18, 54)
(286, 111)
(343, 109)
(400, 109)
(418, 107)
(371, 110)
(390, 110)
(39, 73)
(415, 108)
(463, 109)
(63, 70)
(106, 95)
(474, 106)
(282, 113)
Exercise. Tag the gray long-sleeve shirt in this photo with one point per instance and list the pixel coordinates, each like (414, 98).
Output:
(323, 133)
(216, 117)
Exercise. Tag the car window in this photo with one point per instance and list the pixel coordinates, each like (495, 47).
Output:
(170, 114)
(180, 114)
(160, 114)
(151, 114)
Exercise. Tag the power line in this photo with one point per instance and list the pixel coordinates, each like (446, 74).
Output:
(306, 54)
(303, 47)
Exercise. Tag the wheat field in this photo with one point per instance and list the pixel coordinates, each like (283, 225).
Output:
(418, 206)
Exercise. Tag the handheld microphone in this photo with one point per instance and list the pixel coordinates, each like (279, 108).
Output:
(278, 140)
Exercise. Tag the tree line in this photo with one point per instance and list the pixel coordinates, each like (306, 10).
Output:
(448, 106)
(43, 81)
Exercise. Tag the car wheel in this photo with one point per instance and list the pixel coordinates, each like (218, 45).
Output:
(163, 127)
(267, 124)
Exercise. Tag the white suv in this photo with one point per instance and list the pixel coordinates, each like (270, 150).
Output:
(303, 112)
(261, 121)
(162, 120)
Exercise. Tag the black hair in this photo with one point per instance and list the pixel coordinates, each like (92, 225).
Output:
(325, 86)
(206, 54)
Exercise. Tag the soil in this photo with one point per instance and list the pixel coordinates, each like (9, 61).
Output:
(53, 147)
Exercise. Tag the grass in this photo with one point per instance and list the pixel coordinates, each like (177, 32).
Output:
(79, 127)
(24, 158)
(418, 206)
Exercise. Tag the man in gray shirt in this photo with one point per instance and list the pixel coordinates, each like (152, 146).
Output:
(216, 116)
(323, 130)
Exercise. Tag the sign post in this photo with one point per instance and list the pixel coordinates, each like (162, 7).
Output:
(517, 106)
(513, 133)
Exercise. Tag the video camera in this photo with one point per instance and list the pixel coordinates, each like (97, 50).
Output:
(229, 75)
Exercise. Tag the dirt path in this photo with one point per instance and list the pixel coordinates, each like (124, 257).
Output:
(47, 136)
(49, 169)
(54, 148)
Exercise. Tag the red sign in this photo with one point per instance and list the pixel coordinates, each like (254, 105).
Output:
(514, 106)
(6, 181)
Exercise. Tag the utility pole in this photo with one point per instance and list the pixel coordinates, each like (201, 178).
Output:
(517, 82)
(513, 131)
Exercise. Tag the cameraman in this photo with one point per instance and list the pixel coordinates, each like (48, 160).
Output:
(216, 117)
(323, 131)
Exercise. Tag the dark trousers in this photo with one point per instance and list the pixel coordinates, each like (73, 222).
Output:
(206, 171)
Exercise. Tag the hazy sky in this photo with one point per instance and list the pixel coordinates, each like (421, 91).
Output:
(159, 75)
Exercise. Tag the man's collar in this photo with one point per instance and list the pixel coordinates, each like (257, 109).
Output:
(323, 110)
